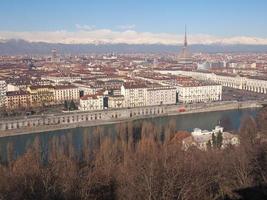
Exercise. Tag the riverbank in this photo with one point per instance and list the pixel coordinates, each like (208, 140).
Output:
(124, 115)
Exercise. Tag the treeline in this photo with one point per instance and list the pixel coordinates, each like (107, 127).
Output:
(148, 165)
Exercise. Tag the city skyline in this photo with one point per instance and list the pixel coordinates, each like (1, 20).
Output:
(135, 22)
(133, 99)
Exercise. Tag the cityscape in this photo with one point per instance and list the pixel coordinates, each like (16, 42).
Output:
(130, 112)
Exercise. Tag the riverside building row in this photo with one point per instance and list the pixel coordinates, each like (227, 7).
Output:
(238, 82)
(122, 94)
(188, 90)
(199, 92)
(36, 96)
(139, 95)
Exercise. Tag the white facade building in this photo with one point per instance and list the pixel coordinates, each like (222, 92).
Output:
(58, 79)
(242, 83)
(135, 95)
(199, 93)
(163, 95)
(116, 101)
(66, 92)
(200, 138)
(3, 90)
(87, 89)
(12, 88)
(91, 102)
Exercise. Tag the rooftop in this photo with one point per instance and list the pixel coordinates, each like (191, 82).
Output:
(90, 96)
(133, 85)
(17, 93)
(62, 87)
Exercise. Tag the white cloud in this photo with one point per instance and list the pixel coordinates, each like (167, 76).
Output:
(86, 34)
(85, 27)
(126, 27)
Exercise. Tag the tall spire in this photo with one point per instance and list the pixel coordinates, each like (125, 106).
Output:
(185, 37)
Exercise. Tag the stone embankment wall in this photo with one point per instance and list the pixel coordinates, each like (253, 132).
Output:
(30, 124)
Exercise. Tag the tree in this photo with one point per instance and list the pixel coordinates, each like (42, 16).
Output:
(66, 105)
(170, 130)
(209, 145)
(261, 119)
(72, 105)
(248, 130)
(214, 140)
(219, 140)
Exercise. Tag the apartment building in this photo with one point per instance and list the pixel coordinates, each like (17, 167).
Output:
(135, 95)
(161, 95)
(91, 102)
(17, 100)
(58, 79)
(199, 92)
(65, 93)
(41, 95)
(116, 101)
(253, 84)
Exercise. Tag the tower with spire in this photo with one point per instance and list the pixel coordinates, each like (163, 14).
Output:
(185, 57)
(185, 38)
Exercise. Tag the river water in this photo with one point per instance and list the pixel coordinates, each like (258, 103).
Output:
(230, 120)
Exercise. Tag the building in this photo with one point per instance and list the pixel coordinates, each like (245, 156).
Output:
(234, 81)
(202, 139)
(65, 93)
(185, 57)
(91, 102)
(3, 89)
(190, 90)
(55, 57)
(116, 101)
(18, 100)
(199, 92)
(161, 95)
(86, 88)
(41, 95)
(135, 94)
(12, 88)
(58, 79)
(204, 66)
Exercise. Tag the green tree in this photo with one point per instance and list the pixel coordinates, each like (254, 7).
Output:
(72, 105)
(66, 105)
(219, 140)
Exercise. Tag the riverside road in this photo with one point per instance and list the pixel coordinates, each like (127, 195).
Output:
(66, 120)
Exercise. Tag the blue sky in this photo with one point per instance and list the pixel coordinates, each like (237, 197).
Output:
(222, 18)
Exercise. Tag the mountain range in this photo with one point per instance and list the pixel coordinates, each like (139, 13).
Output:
(23, 47)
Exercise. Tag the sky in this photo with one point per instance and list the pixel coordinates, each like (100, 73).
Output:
(135, 21)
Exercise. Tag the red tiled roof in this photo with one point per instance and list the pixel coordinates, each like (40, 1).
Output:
(134, 85)
(17, 93)
(41, 86)
(89, 96)
(62, 87)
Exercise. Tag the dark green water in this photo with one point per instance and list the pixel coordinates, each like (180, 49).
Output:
(229, 119)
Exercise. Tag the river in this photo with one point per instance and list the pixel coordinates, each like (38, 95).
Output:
(229, 119)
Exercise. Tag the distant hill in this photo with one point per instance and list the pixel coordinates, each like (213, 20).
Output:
(21, 47)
